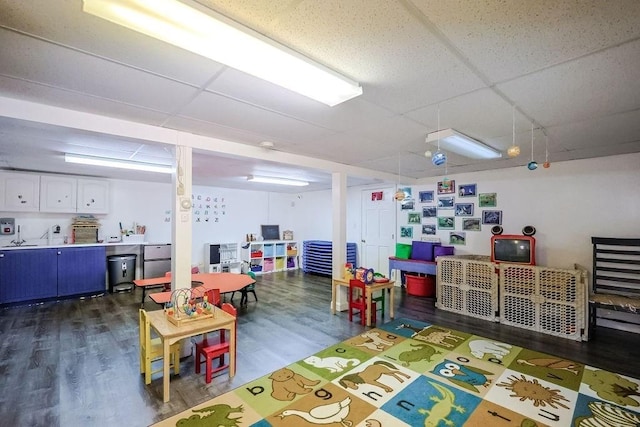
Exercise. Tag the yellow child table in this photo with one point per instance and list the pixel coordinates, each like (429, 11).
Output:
(370, 289)
(170, 333)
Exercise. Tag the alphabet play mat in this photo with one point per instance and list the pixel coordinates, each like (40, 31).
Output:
(410, 373)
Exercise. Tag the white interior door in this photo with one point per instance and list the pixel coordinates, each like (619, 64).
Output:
(378, 229)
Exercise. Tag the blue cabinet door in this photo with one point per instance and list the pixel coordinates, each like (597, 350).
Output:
(81, 270)
(28, 274)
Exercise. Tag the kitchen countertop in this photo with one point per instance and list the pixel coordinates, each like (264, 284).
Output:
(78, 245)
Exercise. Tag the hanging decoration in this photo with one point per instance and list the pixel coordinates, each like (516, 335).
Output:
(400, 194)
(446, 182)
(439, 157)
(532, 165)
(514, 150)
(546, 163)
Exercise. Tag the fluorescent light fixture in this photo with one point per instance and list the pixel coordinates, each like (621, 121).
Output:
(454, 141)
(217, 37)
(115, 163)
(279, 181)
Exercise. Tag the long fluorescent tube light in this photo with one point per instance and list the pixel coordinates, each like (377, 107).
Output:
(452, 140)
(219, 38)
(280, 181)
(114, 163)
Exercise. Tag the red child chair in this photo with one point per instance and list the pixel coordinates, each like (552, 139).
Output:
(212, 350)
(358, 301)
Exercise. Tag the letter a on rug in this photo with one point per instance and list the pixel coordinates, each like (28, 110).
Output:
(410, 373)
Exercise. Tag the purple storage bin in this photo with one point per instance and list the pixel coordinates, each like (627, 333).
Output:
(442, 250)
(423, 251)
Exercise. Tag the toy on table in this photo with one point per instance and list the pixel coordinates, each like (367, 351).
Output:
(380, 278)
(188, 305)
(364, 274)
(348, 271)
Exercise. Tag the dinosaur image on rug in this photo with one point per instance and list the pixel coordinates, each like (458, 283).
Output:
(445, 403)
(216, 415)
(411, 373)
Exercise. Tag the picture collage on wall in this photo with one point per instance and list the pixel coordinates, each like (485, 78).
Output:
(440, 208)
(207, 208)
(204, 208)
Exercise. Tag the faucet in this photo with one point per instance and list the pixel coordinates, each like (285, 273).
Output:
(19, 241)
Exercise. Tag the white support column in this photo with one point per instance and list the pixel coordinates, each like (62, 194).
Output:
(181, 219)
(339, 233)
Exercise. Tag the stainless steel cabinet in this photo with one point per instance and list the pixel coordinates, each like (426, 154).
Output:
(156, 260)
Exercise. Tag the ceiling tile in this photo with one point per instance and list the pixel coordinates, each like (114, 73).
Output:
(617, 129)
(68, 25)
(508, 39)
(601, 84)
(238, 115)
(59, 67)
(40, 93)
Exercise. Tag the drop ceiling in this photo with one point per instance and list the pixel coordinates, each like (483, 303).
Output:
(567, 68)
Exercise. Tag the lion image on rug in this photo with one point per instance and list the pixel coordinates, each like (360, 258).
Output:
(287, 384)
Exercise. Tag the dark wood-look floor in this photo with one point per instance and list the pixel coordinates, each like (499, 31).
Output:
(75, 362)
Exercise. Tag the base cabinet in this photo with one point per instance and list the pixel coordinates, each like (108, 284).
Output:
(39, 274)
(27, 275)
(81, 270)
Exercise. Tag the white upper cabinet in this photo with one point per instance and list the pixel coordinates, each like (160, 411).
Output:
(58, 193)
(29, 192)
(20, 192)
(93, 196)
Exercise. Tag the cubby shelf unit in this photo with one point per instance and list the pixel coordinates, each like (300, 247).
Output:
(271, 256)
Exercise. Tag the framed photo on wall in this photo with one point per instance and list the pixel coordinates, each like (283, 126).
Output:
(446, 222)
(407, 205)
(471, 224)
(457, 238)
(406, 232)
(447, 187)
(487, 200)
(425, 196)
(464, 209)
(445, 202)
(413, 218)
(492, 217)
(429, 212)
(428, 229)
(467, 190)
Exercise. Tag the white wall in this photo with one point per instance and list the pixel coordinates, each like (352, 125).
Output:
(567, 203)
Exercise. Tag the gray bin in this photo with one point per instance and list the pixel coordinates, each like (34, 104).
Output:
(122, 272)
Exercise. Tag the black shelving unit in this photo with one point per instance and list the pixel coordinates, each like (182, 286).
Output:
(317, 254)
(616, 282)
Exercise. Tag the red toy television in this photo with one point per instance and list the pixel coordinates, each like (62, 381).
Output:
(513, 248)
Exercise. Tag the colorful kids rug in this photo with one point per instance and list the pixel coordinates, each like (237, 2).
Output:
(410, 373)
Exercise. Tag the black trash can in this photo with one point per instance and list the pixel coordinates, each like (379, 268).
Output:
(122, 272)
